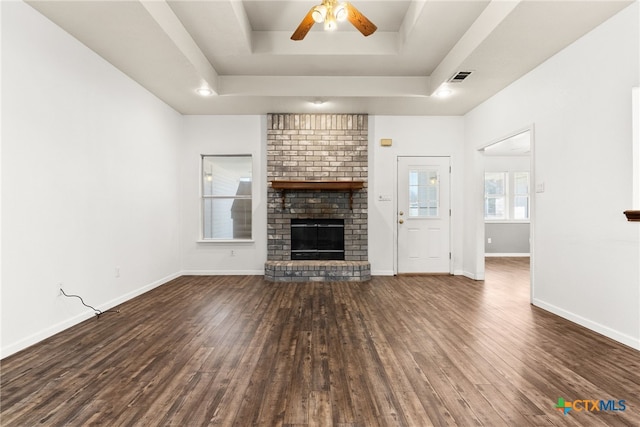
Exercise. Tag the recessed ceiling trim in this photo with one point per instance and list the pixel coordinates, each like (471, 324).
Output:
(173, 28)
(490, 18)
(153, 49)
(416, 7)
(324, 86)
(325, 43)
(242, 20)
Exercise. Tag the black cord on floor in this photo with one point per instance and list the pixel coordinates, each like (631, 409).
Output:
(97, 312)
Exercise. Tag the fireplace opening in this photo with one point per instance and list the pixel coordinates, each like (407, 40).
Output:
(317, 239)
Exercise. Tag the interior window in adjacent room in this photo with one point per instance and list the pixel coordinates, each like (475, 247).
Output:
(495, 195)
(506, 196)
(521, 196)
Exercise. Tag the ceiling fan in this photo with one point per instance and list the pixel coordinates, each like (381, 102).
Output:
(330, 12)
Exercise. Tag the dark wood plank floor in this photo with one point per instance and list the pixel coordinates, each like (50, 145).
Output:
(407, 351)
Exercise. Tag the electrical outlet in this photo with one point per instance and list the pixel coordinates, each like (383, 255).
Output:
(233, 252)
(489, 240)
(117, 272)
(58, 289)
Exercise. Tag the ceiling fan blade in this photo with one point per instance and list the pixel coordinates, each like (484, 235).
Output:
(304, 27)
(360, 21)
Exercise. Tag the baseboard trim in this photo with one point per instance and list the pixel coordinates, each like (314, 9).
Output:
(222, 273)
(507, 255)
(44, 334)
(139, 291)
(473, 276)
(72, 321)
(391, 273)
(589, 324)
(382, 273)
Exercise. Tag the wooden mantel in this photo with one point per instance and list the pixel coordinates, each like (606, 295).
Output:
(308, 185)
(317, 185)
(632, 215)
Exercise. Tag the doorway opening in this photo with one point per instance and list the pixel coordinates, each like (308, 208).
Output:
(508, 203)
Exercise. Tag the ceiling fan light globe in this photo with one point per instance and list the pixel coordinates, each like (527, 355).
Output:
(319, 13)
(340, 12)
(330, 23)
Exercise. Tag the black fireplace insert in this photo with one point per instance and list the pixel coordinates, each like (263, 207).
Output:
(317, 239)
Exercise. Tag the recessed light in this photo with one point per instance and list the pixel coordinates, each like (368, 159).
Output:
(318, 102)
(204, 91)
(443, 93)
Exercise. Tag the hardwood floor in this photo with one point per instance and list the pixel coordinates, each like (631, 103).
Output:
(407, 351)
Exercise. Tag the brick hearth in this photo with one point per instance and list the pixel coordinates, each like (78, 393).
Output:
(317, 271)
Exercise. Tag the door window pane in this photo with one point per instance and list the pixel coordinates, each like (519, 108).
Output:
(424, 193)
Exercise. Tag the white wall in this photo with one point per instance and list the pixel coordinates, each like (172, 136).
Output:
(412, 136)
(586, 254)
(222, 135)
(89, 182)
(434, 136)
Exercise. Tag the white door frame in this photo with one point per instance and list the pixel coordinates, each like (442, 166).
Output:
(532, 204)
(395, 212)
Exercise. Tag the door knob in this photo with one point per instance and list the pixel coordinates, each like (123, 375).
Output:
(401, 213)
(401, 221)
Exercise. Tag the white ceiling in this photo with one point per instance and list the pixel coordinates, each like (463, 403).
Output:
(516, 145)
(241, 49)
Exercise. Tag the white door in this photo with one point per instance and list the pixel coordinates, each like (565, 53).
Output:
(423, 215)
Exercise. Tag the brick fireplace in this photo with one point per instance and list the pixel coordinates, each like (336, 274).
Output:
(324, 151)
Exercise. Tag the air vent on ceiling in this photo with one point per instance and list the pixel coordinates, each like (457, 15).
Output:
(459, 76)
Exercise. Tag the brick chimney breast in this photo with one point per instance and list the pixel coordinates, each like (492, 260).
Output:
(317, 147)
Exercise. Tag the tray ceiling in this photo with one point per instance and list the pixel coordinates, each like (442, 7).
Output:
(242, 50)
